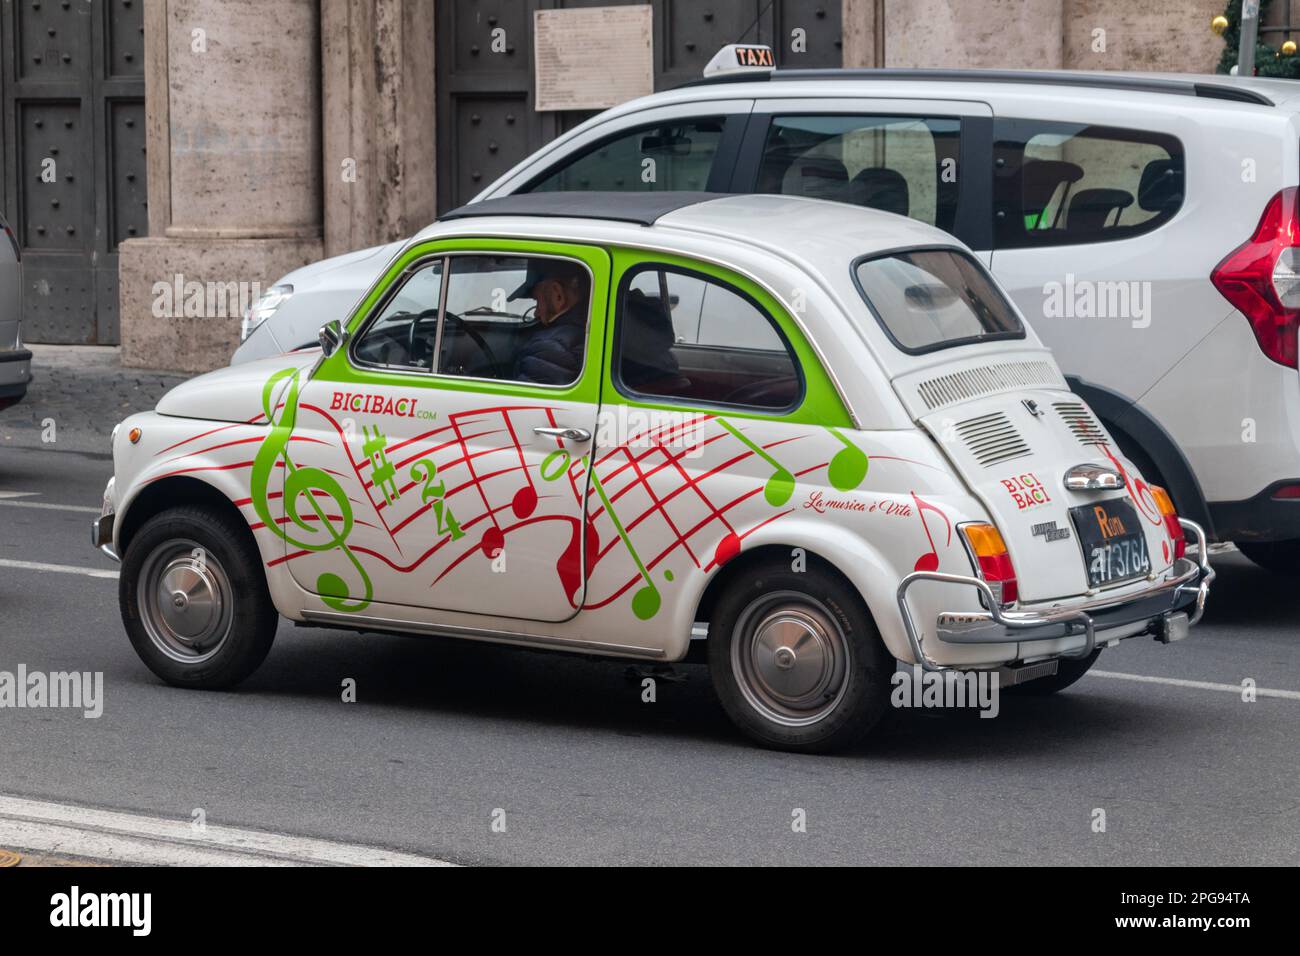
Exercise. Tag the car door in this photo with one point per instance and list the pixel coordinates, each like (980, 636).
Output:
(427, 457)
(923, 158)
(1081, 242)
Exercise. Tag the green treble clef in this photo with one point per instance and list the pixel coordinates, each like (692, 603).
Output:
(300, 482)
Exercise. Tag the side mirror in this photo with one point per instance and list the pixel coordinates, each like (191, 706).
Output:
(331, 336)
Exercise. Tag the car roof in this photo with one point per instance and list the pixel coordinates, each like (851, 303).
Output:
(1264, 91)
(644, 208)
(792, 227)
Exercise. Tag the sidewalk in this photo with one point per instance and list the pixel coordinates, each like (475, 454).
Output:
(84, 391)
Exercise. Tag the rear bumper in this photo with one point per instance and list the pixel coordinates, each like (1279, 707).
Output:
(1261, 518)
(1167, 609)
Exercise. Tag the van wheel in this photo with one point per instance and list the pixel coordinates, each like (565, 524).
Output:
(1282, 557)
(194, 599)
(1067, 672)
(797, 661)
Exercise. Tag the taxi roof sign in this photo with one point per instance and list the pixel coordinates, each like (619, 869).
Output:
(741, 58)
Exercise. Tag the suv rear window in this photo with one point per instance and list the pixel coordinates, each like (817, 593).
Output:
(927, 299)
(1060, 183)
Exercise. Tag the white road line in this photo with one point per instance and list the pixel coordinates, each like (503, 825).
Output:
(57, 568)
(1196, 684)
(133, 839)
(18, 494)
(84, 509)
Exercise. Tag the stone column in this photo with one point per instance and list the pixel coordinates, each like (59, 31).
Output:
(380, 175)
(234, 138)
(864, 38)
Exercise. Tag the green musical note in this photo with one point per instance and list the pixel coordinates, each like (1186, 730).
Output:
(779, 487)
(849, 466)
(304, 482)
(646, 601)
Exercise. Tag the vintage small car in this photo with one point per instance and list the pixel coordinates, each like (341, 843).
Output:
(805, 440)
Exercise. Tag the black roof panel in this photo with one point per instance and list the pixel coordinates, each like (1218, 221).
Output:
(644, 208)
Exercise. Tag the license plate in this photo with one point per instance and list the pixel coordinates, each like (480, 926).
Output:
(1113, 542)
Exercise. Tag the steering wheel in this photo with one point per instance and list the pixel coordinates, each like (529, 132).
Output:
(483, 347)
(413, 332)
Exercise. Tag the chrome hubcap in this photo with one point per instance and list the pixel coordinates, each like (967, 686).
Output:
(186, 602)
(790, 658)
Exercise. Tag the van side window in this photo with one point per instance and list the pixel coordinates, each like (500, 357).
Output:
(1061, 183)
(901, 164)
(684, 336)
(674, 155)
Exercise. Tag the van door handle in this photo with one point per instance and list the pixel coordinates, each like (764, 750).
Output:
(568, 434)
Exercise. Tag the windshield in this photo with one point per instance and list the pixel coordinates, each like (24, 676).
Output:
(929, 299)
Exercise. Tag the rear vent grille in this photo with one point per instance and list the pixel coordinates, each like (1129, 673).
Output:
(1080, 421)
(985, 380)
(992, 439)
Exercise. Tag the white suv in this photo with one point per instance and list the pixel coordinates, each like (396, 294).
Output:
(1146, 224)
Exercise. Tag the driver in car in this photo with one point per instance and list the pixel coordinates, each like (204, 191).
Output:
(552, 354)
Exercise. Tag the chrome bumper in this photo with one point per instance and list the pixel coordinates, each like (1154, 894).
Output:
(1169, 606)
(101, 535)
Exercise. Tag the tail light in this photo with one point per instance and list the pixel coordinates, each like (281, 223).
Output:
(1261, 277)
(990, 553)
(1166, 506)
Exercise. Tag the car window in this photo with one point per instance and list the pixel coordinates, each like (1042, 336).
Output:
(688, 337)
(901, 164)
(664, 156)
(403, 334)
(934, 298)
(515, 318)
(1062, 183)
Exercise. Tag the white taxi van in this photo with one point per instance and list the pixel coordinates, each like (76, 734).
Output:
(606, 422)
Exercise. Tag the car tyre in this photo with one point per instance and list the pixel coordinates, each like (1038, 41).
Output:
(194, 598)
(1067, 672)
(797, 661)
(1281, 557)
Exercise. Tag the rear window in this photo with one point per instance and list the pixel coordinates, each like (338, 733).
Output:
(927, 299)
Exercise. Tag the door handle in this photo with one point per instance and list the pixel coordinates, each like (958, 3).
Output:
(568, 434)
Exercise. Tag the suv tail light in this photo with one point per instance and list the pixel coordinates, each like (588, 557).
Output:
(993, 561)
(1167, 511)
(1261, 277)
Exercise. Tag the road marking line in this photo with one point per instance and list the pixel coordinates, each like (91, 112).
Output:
(57, 568)
(135, 839)
(1197, 684)
(18, 494)
(84, 509)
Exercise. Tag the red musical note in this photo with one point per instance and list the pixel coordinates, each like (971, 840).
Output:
(930, 560)
(524, 502)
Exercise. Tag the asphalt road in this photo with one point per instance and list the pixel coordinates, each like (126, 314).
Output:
(444, 733)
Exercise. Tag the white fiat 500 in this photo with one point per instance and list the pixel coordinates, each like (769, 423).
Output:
(607, 423)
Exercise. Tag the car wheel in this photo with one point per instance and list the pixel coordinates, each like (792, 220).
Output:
(194, 599)
(797, 661)
(1067, 672)
(1282, 557)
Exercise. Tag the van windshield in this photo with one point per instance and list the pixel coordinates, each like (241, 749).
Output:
(927, 299)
